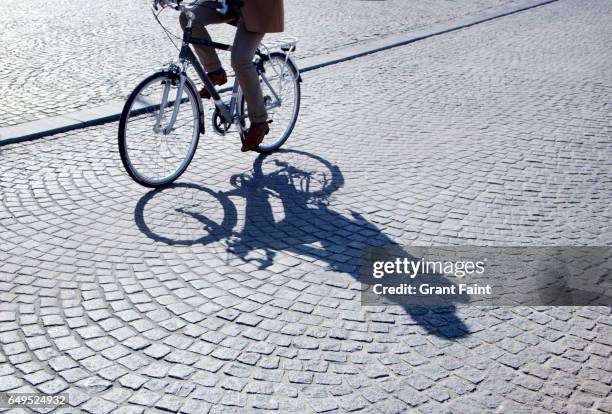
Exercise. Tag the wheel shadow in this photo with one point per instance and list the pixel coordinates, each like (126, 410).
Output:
(186, 214)
(288, 199)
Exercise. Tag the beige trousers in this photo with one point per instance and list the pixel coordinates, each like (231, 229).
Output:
(243, 50)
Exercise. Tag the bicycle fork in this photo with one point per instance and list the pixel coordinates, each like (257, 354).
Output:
(164, 104)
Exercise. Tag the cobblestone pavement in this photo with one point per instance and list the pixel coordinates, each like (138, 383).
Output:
(235, 290)
(68, 57)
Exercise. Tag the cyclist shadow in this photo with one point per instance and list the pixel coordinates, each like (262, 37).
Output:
(288, 196)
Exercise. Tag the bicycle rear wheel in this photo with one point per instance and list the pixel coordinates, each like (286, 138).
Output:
(280, 85)
(153, 154)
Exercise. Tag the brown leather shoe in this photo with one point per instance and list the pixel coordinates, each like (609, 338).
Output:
(254, 136)
(218, 78)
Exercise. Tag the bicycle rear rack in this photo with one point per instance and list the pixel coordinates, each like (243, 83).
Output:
(287, 44)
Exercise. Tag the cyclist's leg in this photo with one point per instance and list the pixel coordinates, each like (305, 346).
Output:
(205, 14)
(245, 45)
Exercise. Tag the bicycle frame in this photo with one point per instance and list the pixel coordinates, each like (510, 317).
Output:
(187, 55)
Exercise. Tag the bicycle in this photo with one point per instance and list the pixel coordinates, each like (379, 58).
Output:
(163, 117)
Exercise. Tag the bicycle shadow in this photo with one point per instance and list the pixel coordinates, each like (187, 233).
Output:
(288, 199)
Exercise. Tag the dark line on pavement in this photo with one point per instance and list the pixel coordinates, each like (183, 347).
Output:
(423, 37)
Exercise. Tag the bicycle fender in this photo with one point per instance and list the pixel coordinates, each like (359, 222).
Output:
(175, 71)
(291, 61)
(200, 105)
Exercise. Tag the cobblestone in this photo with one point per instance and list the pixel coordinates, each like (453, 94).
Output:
(501, 132)
(107, 50)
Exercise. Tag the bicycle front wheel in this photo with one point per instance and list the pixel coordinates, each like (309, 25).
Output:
(280, 85)
(155, 148)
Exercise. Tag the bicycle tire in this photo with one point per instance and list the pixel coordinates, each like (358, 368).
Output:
(126, 113)
(267, 146)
